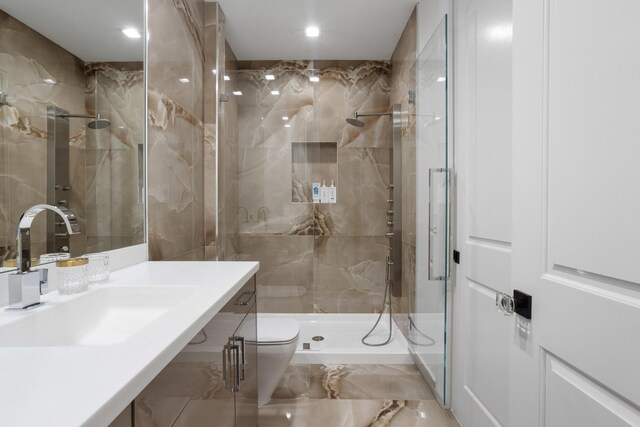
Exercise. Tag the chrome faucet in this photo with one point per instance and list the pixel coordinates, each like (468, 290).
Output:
(26, 286)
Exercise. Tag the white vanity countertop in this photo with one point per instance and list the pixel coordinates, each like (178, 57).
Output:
(90, 385)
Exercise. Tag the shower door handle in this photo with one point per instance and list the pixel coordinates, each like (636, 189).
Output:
(242, 357)
(438, 265)
(230, 366)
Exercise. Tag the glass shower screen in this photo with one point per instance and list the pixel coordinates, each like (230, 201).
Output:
(428, 322)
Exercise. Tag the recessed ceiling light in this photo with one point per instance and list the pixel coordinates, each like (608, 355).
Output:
(312, 31)
(275, 92)
(49, 81)
(285, 118)
(237, 93)
(132, 33)
(314, 79)
(287, 126)
(184, 80)
(270, 77)
(441, 79)
(214, 71)
(227, 78)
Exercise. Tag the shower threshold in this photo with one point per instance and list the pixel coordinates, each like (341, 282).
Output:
(341, 343)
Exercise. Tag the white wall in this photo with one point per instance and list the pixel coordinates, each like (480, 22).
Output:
(430, 13)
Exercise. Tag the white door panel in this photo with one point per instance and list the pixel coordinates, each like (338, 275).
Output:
(594, 134)
(597, 333)
(576, 208)
(489, 341)
(483, 257)
(572, 399)
(479, 414)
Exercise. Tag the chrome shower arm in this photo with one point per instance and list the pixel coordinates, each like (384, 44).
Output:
(388, 113)
(77, 116)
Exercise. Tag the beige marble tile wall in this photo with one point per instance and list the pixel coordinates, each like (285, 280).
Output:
(221, 140)
(314, 258)
(176, 130)
(34, 73)
(213, 27)
(228, 162)
(403, 79)
(114, 201)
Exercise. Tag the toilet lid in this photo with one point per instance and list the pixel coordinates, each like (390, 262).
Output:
(277, 330)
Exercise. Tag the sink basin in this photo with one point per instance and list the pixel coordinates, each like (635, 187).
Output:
(104, 316)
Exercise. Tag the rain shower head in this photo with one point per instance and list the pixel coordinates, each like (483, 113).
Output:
(359, 123)
(97, 122)
(355, 122)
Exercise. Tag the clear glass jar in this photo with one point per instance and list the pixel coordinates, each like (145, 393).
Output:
(98, 268)
(72, 275)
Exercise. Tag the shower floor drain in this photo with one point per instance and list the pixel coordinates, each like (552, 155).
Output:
(318, 338)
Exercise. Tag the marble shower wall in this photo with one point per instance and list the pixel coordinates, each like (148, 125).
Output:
(176, 131)
(403, 79)
(221, 141)
(114, 156)
(228, 221)
(35, 73)
(27, 59)
(213, 28)
(314, 258)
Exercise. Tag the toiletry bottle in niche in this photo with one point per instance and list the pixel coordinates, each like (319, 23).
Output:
(332, 193)
(315, 190)
(324, 193)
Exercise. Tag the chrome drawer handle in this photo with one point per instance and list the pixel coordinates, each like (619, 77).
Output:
(245, 298)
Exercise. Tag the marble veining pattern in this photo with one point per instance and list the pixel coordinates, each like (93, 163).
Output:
(27, 59)
(176, 131)
(403, 79)
(267, 176)
(354, 396)
(113, 185)
(36, 73)
(308, 395)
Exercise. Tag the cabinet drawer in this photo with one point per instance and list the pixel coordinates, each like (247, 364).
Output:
(242, 301)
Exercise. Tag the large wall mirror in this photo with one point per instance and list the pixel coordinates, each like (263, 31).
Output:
(72, 116)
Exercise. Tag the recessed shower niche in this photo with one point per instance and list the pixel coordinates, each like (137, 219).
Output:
(313, 163)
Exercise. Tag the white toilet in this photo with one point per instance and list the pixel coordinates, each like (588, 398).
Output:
(277, 341)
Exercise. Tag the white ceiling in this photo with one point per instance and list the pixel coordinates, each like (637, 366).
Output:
(256, 29)
(349, 29)
(90, 29)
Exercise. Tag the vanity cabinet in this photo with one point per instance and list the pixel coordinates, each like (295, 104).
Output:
(212, 382)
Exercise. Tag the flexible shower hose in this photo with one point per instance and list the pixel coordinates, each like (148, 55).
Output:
(384, 303)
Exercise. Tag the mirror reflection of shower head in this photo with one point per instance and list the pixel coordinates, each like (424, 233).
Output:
(97, 122)
(359, 123)
(355, 122)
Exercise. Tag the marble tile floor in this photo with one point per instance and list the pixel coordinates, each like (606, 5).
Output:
(188, 394)
(353, 396)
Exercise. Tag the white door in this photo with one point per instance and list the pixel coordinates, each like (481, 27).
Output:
(483, 140)
(576, 213)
